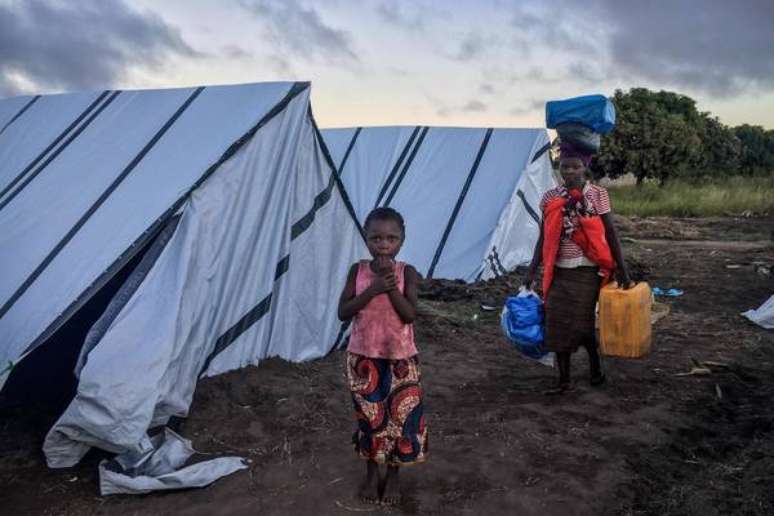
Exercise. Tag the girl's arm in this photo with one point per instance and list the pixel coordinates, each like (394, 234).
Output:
(406, 303)
(349, 303)
(537, 257)
(611, 234)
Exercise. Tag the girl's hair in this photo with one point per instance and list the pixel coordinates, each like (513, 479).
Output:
(385, 213)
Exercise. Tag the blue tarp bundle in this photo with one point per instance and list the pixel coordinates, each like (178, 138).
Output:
(593, 111)
(522, 323)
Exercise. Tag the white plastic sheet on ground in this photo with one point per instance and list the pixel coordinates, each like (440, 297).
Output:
(160, 466)
(764, 315)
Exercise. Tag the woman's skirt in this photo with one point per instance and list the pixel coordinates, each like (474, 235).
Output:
(570, 309)
(387, 398)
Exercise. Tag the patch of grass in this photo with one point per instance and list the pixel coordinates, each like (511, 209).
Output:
(730, 196)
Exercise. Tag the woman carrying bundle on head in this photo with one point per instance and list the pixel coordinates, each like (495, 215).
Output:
(580, 250)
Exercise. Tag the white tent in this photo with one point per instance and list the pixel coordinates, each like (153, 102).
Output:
(229, 198)
(469, 195)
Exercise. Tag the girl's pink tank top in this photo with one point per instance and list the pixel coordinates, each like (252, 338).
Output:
(377, 330)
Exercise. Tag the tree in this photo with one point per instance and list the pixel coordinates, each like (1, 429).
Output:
(757, 149)
(662, 135)
(721, 148)
(657, 136)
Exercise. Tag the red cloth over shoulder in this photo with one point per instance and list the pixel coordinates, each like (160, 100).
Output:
(590, 237)
(552, 233)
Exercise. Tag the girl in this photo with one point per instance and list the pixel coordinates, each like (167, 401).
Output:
(382, 365)
(579, 248)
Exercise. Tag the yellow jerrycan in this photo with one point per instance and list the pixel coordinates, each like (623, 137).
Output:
(624, 320)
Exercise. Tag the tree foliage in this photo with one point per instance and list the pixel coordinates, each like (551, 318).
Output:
(662, 135)
(757, 149)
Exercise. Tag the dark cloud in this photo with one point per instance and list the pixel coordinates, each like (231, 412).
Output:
(475, 106)
(89, 44)
(536, 74)
(301, 32)
(471, 47)
(235, 52)
(283, 67)
(398, 72)
(716, 46)
(585, 72)
(557, 28)
(532, 105)
(487, 89)
(394, 13)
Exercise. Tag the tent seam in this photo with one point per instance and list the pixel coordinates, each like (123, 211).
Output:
(20, 113)
(51, 146)
(460, 200)
(396, 167)
(158, 224)
(406, 167)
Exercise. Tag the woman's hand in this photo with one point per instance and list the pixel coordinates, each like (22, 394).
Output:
(624, 281)
(529, 280)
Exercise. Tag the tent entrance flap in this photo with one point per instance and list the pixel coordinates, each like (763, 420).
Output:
(46, 378)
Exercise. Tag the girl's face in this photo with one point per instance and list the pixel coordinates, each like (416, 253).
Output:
(573, 172)
(384, 238)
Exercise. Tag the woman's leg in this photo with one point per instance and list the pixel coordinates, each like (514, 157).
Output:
(595, 362)
(563, 359)
(563, 364)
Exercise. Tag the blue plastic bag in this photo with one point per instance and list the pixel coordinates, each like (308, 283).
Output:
(593, 111)
(522, 322)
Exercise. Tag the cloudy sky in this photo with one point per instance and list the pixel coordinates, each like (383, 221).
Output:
(376, 62)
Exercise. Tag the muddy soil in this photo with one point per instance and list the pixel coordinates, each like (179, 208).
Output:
(648, 442)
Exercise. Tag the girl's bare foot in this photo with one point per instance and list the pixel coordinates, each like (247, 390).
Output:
(368, 491)
(391, 487)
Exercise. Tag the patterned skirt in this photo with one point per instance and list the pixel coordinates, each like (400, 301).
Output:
(570, 309)
(387, 398)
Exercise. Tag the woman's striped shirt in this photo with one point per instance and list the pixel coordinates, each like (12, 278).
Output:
(598, 203)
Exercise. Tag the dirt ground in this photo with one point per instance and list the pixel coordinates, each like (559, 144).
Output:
(648, 442)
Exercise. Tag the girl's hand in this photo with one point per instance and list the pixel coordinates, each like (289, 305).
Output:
(383, 283)
(382, 263)
(391, 281)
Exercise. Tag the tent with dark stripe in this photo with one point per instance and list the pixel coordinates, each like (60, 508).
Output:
(469, 195)
(199, 230)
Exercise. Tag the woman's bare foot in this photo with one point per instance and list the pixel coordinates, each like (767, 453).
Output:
(368, 491)
(391, 486)
(559, 388)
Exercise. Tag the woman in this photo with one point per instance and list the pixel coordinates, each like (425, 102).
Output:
(580, 250)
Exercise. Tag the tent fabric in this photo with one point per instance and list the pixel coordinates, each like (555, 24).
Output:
(469, 195)
(12, 109)
(62, 262)
(264, 234)
(763, 316)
